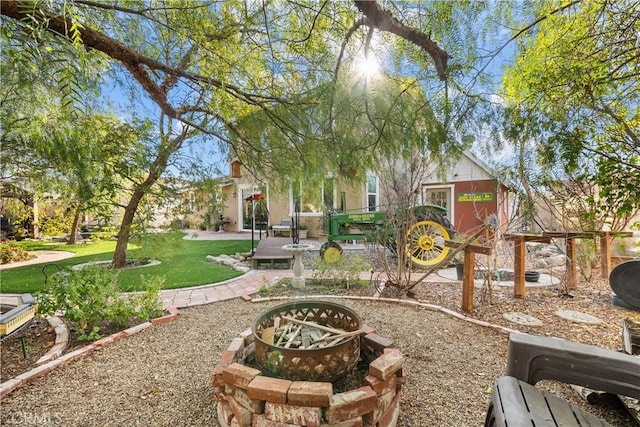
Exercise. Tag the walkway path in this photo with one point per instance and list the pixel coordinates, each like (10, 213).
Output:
(41, 258)
(246, 284)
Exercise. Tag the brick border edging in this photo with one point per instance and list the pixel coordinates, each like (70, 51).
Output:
(499, 328)
(247, 398)
(8, 386)
(61, 343)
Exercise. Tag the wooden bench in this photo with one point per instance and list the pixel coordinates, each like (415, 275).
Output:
(515, 401)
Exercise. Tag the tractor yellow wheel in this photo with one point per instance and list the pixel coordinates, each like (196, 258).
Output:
(425, 243)
(331, 252)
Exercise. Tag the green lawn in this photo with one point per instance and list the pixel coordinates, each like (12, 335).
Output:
(182, 262)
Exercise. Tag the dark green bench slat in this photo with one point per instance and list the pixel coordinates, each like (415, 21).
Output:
(533, 358)
(515, 403)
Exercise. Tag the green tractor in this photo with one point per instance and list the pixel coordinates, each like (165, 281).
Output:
(425, 243)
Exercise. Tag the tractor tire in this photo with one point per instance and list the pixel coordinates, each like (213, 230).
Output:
(426, 239)
(331, 252)
(440, 219)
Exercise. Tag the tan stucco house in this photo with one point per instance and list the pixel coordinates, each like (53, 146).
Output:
(469, 192)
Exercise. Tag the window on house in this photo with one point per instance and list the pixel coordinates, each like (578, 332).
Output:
(310, 201)
(372, 193)
(329, 194)
(313, 201)
(438, 197)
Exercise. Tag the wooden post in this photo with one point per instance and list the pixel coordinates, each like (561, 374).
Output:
(605, 255)
(572, 263)
(518, 266)
(519, 259)
(468, 276)
(467, 280)
(570, 244)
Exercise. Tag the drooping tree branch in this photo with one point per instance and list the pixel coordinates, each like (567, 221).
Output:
(138, 65)
(359, 23)
(383, 20)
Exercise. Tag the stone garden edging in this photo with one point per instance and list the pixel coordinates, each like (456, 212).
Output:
(427, 306)
(61, 343)
(48, 366)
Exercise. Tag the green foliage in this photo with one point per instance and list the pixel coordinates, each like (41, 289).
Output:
(104, 233)
(384, 235)
(18, 213)
(58, 224)
(345, 272)
(262, 80)
(10, 252)
(587, 258)
(573, 90)
(326, 286)
(91, 295)
(85, 156)
(160, 246)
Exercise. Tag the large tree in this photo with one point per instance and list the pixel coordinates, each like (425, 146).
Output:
(53, 146)
(574, 92)
(207, 66)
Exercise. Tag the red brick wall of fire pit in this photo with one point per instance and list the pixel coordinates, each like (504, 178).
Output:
(248, 399)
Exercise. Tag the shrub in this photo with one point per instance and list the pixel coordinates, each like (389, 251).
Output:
(12, 253)
(91, 295)
(345, 272)
(57, 225)
(104, 233)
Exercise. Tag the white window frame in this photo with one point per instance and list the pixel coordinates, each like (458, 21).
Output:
(376, 193)
(240, 199)
(451, 204)
(313, 214)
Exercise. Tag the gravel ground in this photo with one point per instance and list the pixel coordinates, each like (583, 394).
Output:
(162, 376)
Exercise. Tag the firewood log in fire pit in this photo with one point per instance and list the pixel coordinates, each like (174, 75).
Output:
(306, 336)
(307, 340)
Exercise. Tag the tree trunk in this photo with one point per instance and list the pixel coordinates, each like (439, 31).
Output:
(35, 233)
(157, 168)
(120, 253)
(74, 227)
(529, 211)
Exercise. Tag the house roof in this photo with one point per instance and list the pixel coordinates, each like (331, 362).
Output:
(475, 159)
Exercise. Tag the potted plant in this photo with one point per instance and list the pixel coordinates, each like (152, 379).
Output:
(531, 276)
(458, 258)
(458, 261)
(302, 231)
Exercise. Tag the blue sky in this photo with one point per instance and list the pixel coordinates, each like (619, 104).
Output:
(202, 149)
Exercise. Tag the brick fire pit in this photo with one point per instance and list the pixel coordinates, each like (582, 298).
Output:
(248, 397)
(325, 360)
